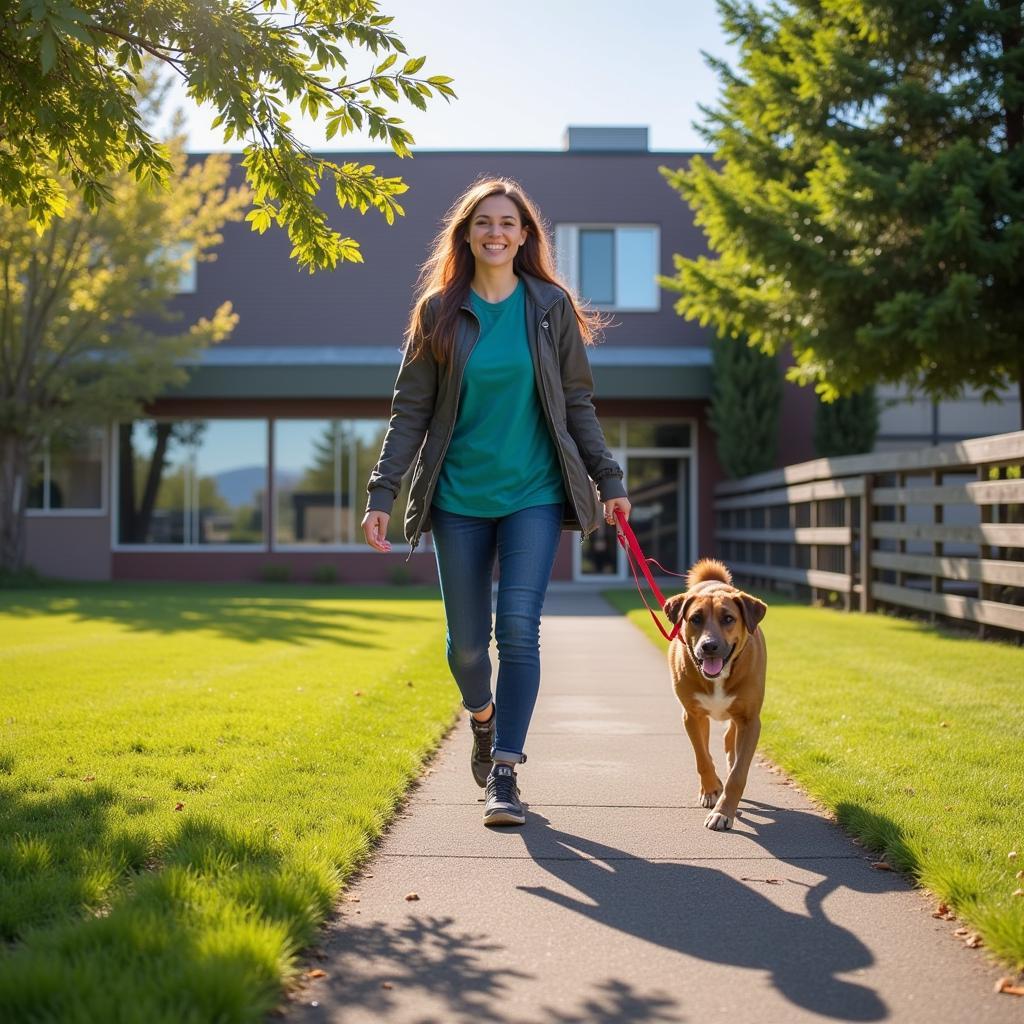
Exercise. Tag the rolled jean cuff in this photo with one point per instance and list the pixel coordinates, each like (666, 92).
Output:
(483, 707)
(508, 756)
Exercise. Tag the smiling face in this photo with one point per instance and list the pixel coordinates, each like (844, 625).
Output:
(717, 620)
(495, 231)
(714, 632)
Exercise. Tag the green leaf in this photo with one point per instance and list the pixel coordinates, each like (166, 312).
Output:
(412, 66)
(386, 63)
(47, 49)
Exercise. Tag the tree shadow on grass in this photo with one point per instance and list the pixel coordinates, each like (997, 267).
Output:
(103, 925)
(250, 614)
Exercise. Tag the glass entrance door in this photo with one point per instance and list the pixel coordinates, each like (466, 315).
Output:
(658, 487)
(659, 492)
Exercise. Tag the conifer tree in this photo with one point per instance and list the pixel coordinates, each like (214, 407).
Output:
(865, 203)
(847, 426)
(746, 397)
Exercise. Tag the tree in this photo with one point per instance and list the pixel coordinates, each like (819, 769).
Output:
(68, 108)
(80, 305)
(846, 426)
(746, 397)
(865, 204)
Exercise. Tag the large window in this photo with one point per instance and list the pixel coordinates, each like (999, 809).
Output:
(191, 482)
(320, 473)
(611, 266)
(68, 475)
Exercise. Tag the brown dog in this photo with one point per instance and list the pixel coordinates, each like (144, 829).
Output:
(718, 664)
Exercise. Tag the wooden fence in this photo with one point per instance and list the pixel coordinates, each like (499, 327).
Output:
(938, 530)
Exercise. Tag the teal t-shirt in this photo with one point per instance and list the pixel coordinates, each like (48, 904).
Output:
(501, 458)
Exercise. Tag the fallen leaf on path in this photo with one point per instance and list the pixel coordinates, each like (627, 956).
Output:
(881, 865)
(943, 911)
(352, 899)
(386, 984)
(1006, 986)
(316, 973)
(412, 896)
(179, 806)
(770, 881)
(961, 932)
(973, 941)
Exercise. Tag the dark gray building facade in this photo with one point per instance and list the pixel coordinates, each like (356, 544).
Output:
(258, 464)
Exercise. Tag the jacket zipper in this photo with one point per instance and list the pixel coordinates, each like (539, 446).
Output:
(543, 323)
(432, 482)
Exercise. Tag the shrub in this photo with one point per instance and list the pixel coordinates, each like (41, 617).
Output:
(325, 574)
(275, 572)
(847, 426)
(400, 576)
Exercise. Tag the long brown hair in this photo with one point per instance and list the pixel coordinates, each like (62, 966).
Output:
(449, 269)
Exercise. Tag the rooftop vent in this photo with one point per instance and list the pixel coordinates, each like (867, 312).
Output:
(590, 138)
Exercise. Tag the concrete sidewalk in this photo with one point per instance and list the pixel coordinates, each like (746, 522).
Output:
(614, 903)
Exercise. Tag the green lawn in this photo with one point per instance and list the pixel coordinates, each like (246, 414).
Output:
(187, 777)
(914, 739)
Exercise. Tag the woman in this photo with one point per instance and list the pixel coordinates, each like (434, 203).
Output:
(494, 394)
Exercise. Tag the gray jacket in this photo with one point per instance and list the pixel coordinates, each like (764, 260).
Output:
(426, 404)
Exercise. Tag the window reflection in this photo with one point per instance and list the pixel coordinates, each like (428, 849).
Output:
(68, 474)
(320, 473)
(191, 482)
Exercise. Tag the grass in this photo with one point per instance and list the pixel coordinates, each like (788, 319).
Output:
(188, 775)
(914, 739)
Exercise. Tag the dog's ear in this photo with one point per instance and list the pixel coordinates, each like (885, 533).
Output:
(675, 607)
(752, 609)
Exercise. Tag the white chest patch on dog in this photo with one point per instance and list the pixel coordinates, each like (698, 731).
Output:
(716, 704)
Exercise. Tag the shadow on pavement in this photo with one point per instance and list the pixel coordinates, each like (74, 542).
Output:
(705, 913)
(450, 975)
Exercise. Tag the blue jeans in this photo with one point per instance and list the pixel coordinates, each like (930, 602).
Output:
(466, 546)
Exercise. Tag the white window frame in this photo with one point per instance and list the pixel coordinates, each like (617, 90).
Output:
(76, 513)
(567, 244)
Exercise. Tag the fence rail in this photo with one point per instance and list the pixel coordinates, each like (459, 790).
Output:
(937, 530)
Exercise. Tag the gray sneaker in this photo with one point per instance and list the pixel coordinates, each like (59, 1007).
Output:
(503, 806)
(480, 755)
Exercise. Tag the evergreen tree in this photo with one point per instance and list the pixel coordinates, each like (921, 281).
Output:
(865, 205)
(746, 397)
(846, 426)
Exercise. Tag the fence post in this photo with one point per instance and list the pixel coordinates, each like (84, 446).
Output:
(866, 512)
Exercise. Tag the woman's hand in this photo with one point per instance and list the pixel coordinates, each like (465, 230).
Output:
(612, 505)
(375, 530)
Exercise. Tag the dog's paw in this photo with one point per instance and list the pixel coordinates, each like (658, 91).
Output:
(709, 799)
(718, 822)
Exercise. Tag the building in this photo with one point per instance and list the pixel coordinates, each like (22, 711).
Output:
(258, 464)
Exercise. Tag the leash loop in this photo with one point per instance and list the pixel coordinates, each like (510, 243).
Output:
(635, 556)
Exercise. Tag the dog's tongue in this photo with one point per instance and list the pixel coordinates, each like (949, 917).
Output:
(712, 666)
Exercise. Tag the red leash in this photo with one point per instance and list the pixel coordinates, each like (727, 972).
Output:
(635, 556)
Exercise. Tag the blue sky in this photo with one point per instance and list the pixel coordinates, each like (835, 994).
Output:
(525, 71)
